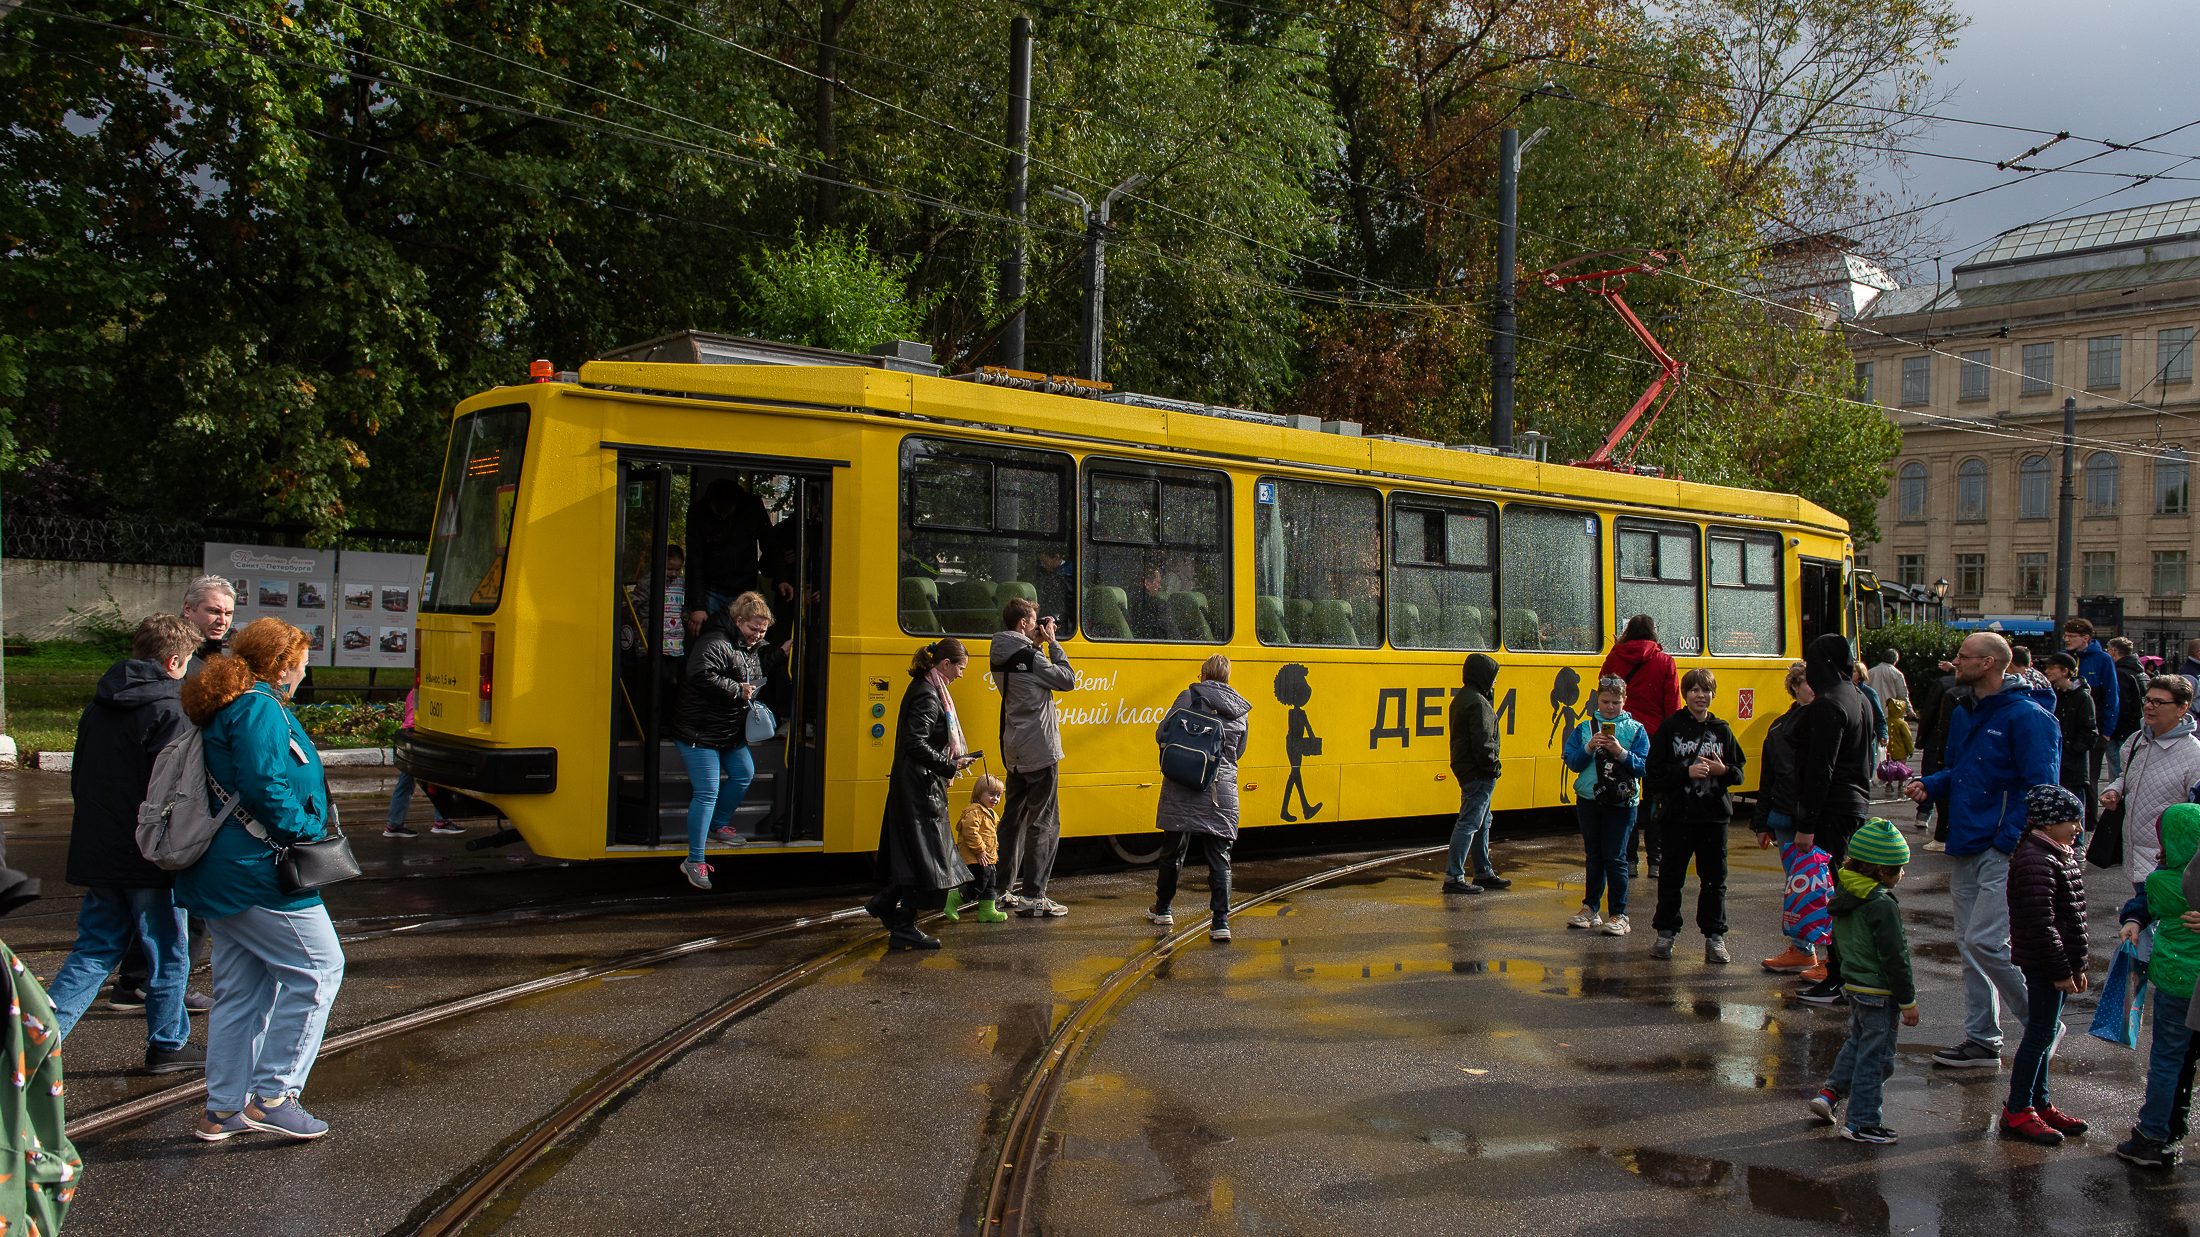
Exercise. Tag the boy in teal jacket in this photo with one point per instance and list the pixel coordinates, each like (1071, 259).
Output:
(2157, 1141)
(1875, 970)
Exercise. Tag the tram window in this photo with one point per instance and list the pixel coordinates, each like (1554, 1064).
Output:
(1443, 579)
(1656, 575)
(1551, 581)
(1744, 597)
(981, 524)
(1157, 557)
(473, 522)
(1318, 559)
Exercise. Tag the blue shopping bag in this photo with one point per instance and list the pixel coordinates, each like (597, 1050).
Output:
(2123, 999)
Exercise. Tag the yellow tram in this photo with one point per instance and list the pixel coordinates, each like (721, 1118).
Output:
(1345, 576)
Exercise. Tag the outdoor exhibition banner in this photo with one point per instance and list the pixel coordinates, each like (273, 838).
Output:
(296, 585)
(380, 594)
(356, 607)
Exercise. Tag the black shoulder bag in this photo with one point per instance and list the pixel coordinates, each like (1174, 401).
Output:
(304, 866)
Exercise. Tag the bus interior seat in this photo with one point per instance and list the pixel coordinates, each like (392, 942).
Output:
(1298, 615)
(1405, 625)
(1332, 623)
(1466, 628)
(968, 606)
(1006, 589)
(1190, 612)
(919, 597)
(1523, 630)
(1268, 620)
(1106, 613)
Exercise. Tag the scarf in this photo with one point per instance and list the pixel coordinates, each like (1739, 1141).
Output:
(955, 745)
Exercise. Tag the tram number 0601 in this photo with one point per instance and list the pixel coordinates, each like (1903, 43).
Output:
(435, 708)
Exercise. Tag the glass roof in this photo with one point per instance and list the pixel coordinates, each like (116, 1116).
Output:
(2116, 227)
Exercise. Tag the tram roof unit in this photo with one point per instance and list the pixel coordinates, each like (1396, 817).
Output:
(900, 380)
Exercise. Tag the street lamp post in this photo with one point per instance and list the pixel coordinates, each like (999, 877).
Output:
(1940, 596)
(1096, 272)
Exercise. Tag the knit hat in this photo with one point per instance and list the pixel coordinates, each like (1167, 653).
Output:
(1877, 841)
(2049, 804)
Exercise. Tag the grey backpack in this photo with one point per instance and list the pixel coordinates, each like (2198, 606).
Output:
(174, 828)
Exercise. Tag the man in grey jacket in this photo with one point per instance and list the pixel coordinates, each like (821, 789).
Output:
(1028, 668)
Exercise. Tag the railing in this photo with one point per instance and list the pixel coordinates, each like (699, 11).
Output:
(171, 544)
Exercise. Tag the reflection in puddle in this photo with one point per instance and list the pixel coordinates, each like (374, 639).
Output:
(1773, 1191)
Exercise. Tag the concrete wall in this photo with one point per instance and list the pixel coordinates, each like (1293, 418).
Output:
(40, 594)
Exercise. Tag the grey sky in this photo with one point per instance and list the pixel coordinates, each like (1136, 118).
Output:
(2115, 69)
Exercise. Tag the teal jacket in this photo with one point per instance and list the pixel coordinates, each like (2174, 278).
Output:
(256, 749)
(1632, 737)
(1867, 933)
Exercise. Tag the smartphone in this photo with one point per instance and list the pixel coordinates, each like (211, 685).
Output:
(1607, 727)
(976, 755)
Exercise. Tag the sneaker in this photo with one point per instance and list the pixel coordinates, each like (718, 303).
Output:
(2025, 1123)
(1823, 994)
(726, 837)
(1461, 887)
(1052, 909)
(698, 874)
(1587, 918)
(174, 1060)
(1714, 950)
(1790, 962)
(1813, 974)
(398, 831)
(1968, 1055)
(1493, 882)
(1824, 1103)
(1663, 950)
(2061, 1122)
(214, 1128)
(125, 998)
(197, 1002)
(1938, 848)
(1220, 932)
(1653, 871)
(1878, 1134)
(1163, 918)
(283, 1116)
(445, 828)
(2147, 1153)
(1617, 925)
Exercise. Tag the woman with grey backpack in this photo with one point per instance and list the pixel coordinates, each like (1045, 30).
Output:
(1205, 730)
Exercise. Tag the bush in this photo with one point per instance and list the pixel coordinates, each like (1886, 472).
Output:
(351, 725)
(1923, 647)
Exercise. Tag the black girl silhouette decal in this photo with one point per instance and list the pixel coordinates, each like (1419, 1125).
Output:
(1299, 739)
(1565, 694)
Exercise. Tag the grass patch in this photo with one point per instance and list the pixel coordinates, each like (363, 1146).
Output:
(50, 684)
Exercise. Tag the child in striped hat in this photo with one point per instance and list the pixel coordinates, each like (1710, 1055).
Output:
(1875, 969)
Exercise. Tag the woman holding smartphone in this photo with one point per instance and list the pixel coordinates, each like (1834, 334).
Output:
(917, 855)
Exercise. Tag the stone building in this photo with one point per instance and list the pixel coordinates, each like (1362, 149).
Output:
(2100, 309)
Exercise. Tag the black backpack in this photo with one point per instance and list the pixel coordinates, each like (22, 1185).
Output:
(1191, 747)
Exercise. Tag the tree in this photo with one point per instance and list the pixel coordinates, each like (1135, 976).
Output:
(830, 293)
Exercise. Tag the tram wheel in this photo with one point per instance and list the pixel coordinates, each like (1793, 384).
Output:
(1137, 849)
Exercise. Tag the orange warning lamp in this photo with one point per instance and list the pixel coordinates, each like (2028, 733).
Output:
(542, 371)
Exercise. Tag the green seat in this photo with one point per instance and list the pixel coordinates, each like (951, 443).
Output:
(1523, 630)
(967, 606)
(1268, 620)
(1190, 612)
(1298, 614)
(1405, 626)
(1474, 628)
(1107, 615)
(1332, 623)
(920, 597)
(1005, 589)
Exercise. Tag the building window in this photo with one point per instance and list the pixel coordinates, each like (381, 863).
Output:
(1864, 379)
(2032, 575)
(2032, 488)
(2104, 362)
(2100, 485)
(1909, 569)
(1970, 575)
(2169, 573)
(2099, 570)
(1973, 373)
(2173, 483)
(1971, 490)
(1912, 488)
(1917, 379)
(2173, 354)
(2039, 369)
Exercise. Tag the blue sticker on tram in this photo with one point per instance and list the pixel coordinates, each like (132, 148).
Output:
(1264, 492)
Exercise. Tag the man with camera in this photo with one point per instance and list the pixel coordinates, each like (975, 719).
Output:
(1029, 666)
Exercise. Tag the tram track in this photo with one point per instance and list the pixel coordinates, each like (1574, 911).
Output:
(131, 1111)
(1015, 1170)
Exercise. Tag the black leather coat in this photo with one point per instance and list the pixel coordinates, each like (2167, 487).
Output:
(916, 843)
(2046, 909)
(710, 711)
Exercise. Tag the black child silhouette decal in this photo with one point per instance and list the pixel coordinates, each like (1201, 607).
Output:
(1565, 694)
(1299, 739)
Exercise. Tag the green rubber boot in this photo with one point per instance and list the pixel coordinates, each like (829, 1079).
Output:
(954, 903)
(987, 912)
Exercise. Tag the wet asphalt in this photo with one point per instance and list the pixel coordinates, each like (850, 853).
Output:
(1365, 1056)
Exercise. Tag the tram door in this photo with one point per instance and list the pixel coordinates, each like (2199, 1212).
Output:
(1822, 600)
(692, 536)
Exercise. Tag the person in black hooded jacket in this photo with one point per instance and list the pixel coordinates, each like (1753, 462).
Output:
(1474, 762)
(1833, 772)
(1695, 761)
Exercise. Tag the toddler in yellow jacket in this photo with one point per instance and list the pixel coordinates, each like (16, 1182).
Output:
(977, 837)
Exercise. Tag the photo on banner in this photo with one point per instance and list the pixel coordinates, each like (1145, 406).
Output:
(380, 593)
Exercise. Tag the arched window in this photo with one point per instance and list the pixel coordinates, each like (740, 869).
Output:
(1911, 491)
(1971, 490)
(2100, 484)
(2032, 488)
(2173, 483)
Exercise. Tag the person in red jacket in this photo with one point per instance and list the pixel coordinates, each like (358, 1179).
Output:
(1653, 694)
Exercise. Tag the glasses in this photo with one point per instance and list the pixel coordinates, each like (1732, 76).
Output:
(2157, 700)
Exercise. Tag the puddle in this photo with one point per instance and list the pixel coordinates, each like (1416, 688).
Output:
(1772, 1191)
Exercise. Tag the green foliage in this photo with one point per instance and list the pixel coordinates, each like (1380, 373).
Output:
(351, 725)
(1923, 647)
(829, 293)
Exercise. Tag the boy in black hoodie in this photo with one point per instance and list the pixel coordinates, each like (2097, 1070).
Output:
(1694, 761)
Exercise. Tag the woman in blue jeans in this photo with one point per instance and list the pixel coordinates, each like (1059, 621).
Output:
(1607, 752)
(727, 668)
(277, 964)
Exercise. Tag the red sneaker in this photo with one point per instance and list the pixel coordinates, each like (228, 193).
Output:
(2025, 1123)
(1793, 960)
(2061, 1121)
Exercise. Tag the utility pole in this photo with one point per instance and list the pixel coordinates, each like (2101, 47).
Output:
(2069, 499)
(1011, 348)
(1502, 318)
(1096, 271)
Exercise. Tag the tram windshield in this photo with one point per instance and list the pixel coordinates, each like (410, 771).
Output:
(473, 523)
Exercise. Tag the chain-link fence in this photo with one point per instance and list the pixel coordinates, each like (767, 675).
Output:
(177, 544)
